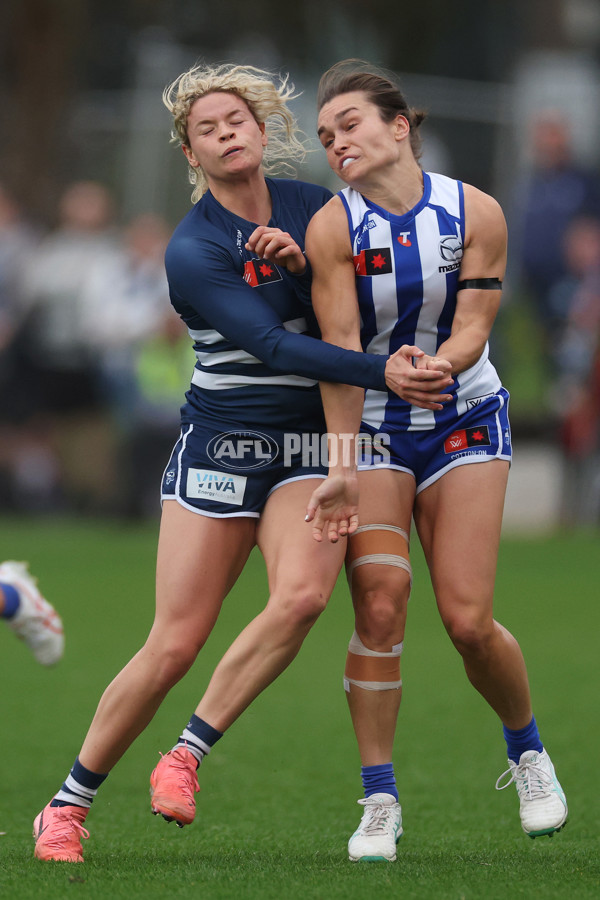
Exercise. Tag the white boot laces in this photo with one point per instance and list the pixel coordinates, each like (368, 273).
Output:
(530, 779)
(375, 818)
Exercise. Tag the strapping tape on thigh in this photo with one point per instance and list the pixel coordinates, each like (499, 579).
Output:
(383, 545)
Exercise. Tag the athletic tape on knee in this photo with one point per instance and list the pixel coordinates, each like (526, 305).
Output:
(382, 545)
(372, 670)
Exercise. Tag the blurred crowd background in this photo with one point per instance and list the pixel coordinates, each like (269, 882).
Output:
(93, 362)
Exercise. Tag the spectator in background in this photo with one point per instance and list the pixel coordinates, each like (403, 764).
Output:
(60, 397)
(572, 301)
(556, 190)
(54, 290)
(162, 366)
(81, 322)
(142, 353)
(18, 238)
(575, 320)
(124, 297)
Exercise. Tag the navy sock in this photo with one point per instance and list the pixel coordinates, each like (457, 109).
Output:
(12, 601)
(80, 788)
(198, 737)
(379, 780)
(517, 742)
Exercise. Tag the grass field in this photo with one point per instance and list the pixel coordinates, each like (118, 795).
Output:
(278, 793)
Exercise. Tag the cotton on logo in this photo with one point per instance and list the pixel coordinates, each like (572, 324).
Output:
(403, 239)
(468, 437)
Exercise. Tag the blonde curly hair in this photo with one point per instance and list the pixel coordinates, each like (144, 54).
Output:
(265, 94)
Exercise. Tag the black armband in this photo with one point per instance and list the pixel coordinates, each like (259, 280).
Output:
(480, 284)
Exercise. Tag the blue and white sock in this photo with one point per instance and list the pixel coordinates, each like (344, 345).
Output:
(517, 742)
(80, 788)
(379, 780)
(198, 737)
(12, 600)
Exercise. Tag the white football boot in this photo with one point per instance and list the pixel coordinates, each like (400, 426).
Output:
(543, 805)
(36, 622)
(379, 831)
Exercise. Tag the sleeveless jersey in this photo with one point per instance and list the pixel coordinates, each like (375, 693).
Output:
(407, 271)
(258, 354)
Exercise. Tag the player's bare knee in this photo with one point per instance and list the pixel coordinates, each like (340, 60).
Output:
(471, 635)
(172, 655)
(307, 609)
(298, 607)
(170, 667)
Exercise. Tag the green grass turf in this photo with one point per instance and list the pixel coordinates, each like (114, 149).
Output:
(278, 793)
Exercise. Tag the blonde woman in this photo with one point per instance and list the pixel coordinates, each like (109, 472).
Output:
(241, 472)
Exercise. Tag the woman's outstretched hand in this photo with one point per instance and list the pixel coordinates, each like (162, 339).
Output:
(333, 508)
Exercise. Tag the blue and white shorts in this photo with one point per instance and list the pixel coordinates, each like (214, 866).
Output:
(479, 435)
(232, 473)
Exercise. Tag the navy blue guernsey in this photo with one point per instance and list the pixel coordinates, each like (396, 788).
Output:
(255, 338)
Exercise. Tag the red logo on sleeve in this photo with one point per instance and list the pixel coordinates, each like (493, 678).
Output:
(373, 261)
(467, 437)
(260, 271)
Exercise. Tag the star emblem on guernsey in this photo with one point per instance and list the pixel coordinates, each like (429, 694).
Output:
(378, 262)
(477, 436)
(265, 270)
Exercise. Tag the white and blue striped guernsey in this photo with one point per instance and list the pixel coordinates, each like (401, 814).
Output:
(407, 275)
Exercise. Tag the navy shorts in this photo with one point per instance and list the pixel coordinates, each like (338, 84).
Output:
(232, 473)
(479, 435)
